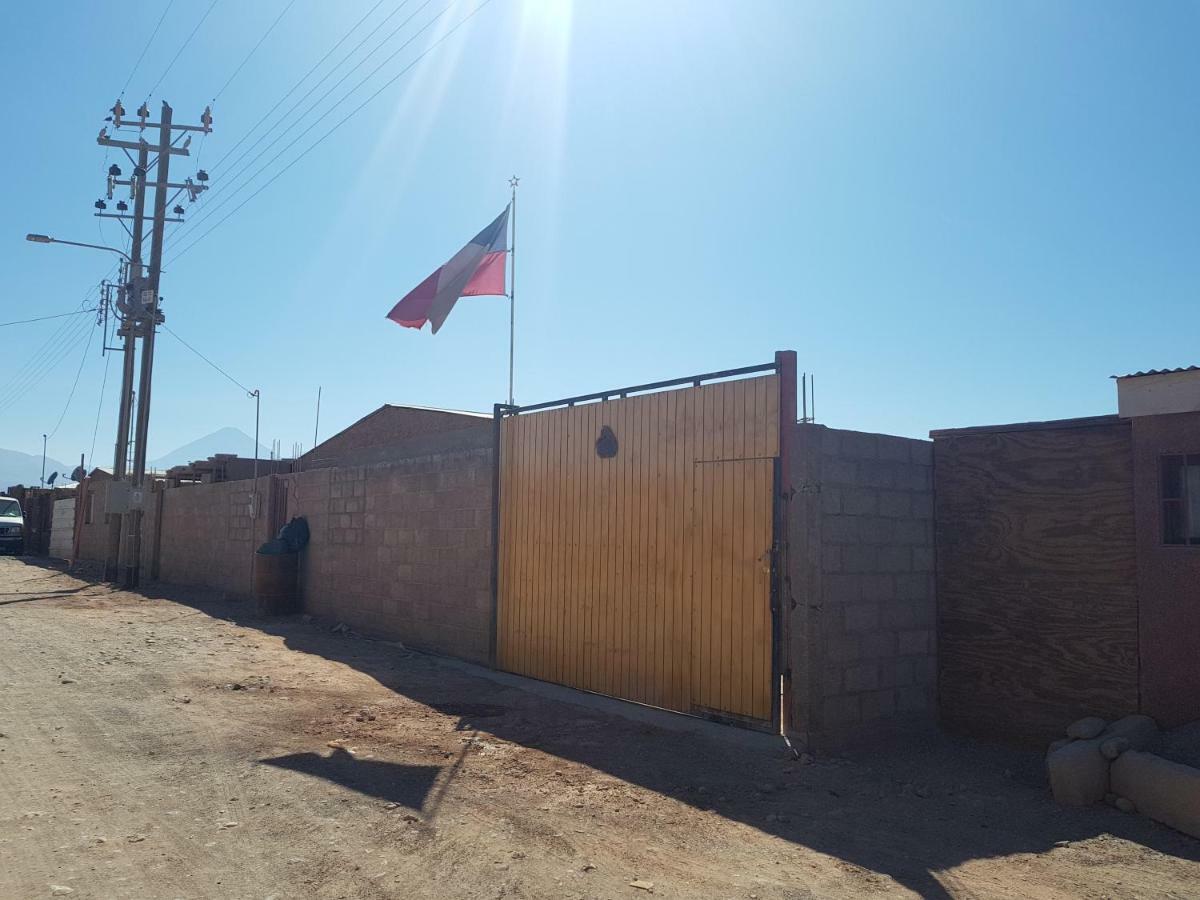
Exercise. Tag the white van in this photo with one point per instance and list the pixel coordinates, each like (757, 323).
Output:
(12, 526)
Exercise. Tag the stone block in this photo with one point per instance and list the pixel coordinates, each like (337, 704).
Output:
(914, 643)
(922, 559)
(831, 558)
(914, 699)
(896, 673)
(895, 559)
(1166, 791)
(894, 448)
(895, 504)
(861, 616)
(860, 559)
(840, 588)
(875, 529)
(858, 501)
(1141, 732)
(831, 499)
(841, 529)
(878, 587)
(843, 648)
(879, 645)
(921, 452)
(878, 705)
(840, 712)
(876, 473)
(1078, 773)
(864, 677)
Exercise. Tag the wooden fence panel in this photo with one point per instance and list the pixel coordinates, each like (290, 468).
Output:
(644, 575)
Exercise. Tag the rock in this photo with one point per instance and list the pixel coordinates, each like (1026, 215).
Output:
(1166, 791)
(1086, 728)
(60, 890)
(642, 885)
(1058, 745)
(1125, 805)
(228, 825)
(66, 680)
(1111, 748)
(1141, 732)
(588, 867)
(135, 838)
(1078, 773)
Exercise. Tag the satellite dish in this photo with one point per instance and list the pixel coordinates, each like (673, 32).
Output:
(50, 480)
(79, 474)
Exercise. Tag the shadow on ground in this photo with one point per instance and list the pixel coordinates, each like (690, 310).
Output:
(909, 812)
(394, 782)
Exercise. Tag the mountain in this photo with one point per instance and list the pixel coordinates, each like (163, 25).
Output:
(224, 440)
(26, 468)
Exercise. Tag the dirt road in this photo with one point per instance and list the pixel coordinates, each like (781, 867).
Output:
(169, 744)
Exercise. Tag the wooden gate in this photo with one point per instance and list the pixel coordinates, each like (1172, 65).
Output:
(636, 543)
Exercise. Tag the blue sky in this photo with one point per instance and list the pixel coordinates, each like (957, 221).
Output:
(957, 213)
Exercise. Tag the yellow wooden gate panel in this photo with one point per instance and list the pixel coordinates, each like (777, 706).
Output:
(645, 575)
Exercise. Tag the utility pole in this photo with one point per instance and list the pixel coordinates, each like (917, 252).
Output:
(141, 313)
(132, 299)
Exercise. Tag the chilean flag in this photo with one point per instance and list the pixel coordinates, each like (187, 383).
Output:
(476, 269)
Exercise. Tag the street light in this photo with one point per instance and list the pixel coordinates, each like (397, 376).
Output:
(46, 239)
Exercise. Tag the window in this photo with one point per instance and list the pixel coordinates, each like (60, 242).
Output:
(1181, 499)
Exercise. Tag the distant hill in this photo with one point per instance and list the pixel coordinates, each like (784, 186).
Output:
(26, 468)
(224, 440)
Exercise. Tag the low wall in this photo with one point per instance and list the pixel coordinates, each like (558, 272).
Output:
(402, 550)
(860, 571)
(206, 534)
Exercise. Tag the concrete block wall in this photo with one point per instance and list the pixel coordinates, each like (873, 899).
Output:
(93, 534)
(861, 573)
(402, 550)
(207, 535)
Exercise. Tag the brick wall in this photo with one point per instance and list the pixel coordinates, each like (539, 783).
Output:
(386, 427)
(861, 564)
(207, 535)
(402, 550)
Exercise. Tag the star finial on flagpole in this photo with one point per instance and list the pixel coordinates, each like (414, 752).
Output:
(513, 182)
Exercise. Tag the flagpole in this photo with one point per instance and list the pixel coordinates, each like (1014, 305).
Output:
(512, 285)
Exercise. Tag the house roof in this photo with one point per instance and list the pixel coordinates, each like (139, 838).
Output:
(1159, 372)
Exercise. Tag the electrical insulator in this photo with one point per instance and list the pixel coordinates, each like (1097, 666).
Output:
(206, 118)
(114, 170)
(202, 175)
(122, 206)
(118, 110)
(178, 210)
(100, 204)
(110, 186)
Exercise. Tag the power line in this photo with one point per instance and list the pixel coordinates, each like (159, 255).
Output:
(207, 360)
(238, 173)
(40, 367)
(182, 47)
(142, 55)
(270, 28)
(303, 78)
(99, 409)
(77, 312)
(341, 122)
(71, 395)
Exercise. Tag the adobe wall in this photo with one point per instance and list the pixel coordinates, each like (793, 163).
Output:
(860, 574)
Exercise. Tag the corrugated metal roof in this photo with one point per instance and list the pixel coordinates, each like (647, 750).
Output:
(1159, 372)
